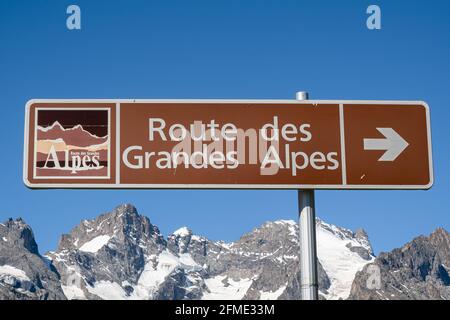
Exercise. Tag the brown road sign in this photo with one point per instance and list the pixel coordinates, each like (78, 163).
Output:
(277, 144)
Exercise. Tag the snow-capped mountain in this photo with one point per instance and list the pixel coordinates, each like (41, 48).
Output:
(24, 273)
(122, 255)
(342, 253)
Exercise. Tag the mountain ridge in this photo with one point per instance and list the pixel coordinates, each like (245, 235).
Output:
(122, 255)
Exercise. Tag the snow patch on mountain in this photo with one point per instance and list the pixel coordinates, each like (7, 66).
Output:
(73, 292)
(182, 232)
(155, 272)
(108, 290)
(340, 263)
(10, 271)
(272, 295)
(224, 288)
(95, 244)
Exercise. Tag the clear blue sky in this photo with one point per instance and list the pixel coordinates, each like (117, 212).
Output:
(225, 49)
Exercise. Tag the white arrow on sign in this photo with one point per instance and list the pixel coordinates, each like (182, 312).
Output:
(393, 143)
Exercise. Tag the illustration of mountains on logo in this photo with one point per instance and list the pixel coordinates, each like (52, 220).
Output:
(72, 143)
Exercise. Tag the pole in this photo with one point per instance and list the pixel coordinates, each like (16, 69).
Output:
(309, 288)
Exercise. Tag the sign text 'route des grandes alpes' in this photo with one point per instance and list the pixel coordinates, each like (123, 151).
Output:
(227, 144)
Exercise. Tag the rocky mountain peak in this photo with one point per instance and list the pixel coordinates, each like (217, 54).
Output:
(440, 235)
(362, 237)
(361, 234)
(24, 274)
(126, 209)
(180, 240)
(417, 270)
(17, 232)
(184, 241)
(123, 224)
(278, 237)
(112, 248)
(182, 232)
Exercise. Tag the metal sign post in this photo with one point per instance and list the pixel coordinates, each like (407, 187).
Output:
(307, 238)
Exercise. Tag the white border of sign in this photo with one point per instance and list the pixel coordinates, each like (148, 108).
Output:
(118, 185)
